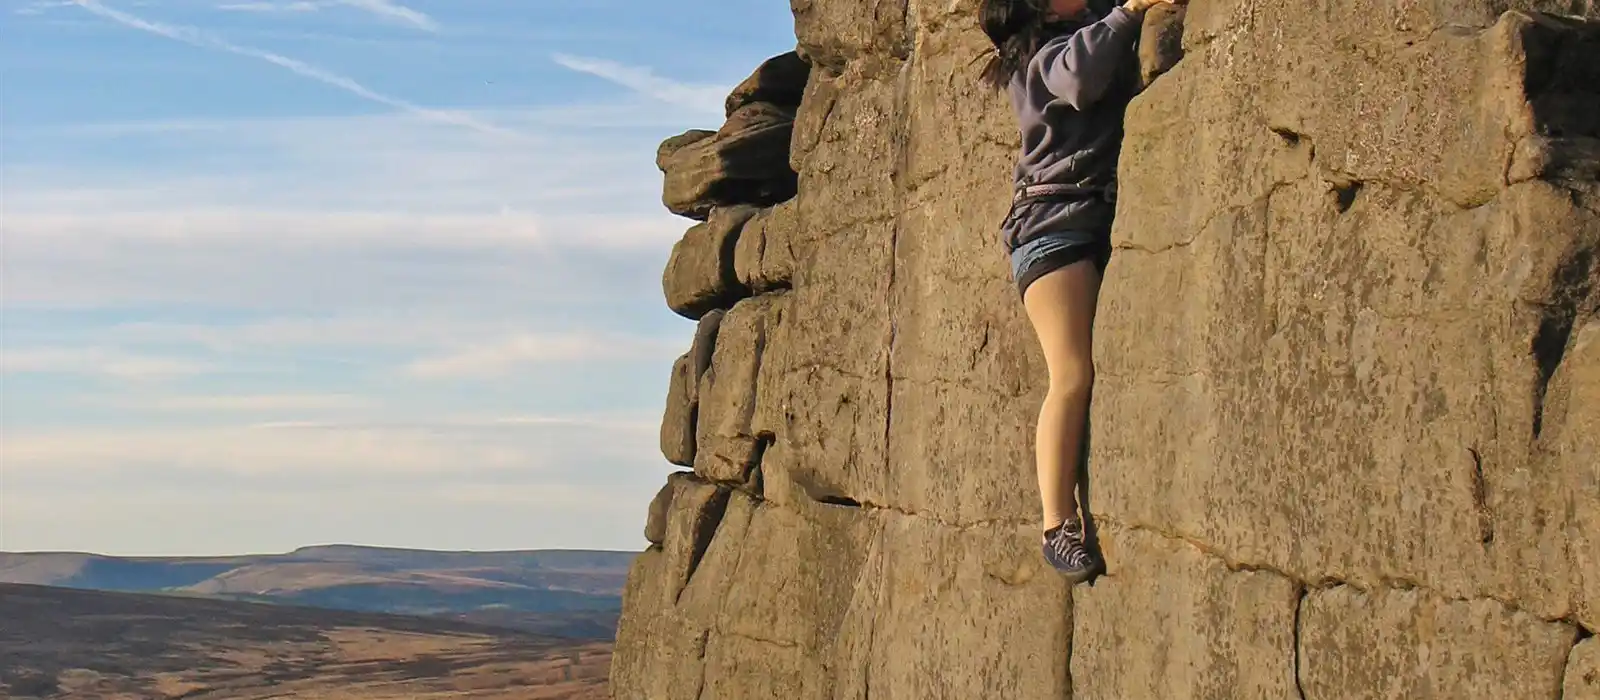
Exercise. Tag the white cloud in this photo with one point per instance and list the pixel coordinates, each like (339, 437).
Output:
(39, 7)
(382, 8)
(510, 355)
(705, 99)
(394, 11)
(203, 39)
(107, 362)
(246, 403)
(458, 448)
(621, 424)
(398, 212)
(301, 229)
(298, 6)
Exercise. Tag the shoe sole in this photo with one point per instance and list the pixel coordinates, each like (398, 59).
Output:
(1076, 577)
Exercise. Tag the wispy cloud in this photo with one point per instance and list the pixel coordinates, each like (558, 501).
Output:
(106, 362)
(203, 39)
(642, 80)
(300, 6)
(515, 353)
(372, 211)
(619, 424)
(39, 7)
(382, 8)
(395, 11)
(444, 446)
(439, 337)
(247, 403)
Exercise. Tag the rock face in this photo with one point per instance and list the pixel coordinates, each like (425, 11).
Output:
(1346, 432)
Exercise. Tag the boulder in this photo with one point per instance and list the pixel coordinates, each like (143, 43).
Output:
(763, 260)
(683, 401)
(728, 447)
(779, 81)
(671, 146)
(1160, 41)
(700, 276)
(744, 162)
(655, 528)
(1583, 672)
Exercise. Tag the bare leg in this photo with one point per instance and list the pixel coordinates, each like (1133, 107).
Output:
(1061, 306)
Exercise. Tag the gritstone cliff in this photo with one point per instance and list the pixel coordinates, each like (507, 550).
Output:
(1346, 430)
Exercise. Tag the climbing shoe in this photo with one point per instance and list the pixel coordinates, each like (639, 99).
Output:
(1064, 549)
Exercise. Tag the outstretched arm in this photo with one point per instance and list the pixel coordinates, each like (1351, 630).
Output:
(1079, 67)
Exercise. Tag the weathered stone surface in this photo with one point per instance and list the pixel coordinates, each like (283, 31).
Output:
(833, 32)
(1348, 342)
(1169, 621)
(728, 447)
(845, 136)
(700, 276)
(953, 613)
(655, 527)
(658, 653)
(677, 421)
(671, 146)
(780, 81)
(1567, 472)
(1345, 387)
(764, 258)
(664, 640)
(703, 348)
(683, 393)
(1161, 41)
(1405, 644)
(773, 634)
(1583, 672)
(824, 381)
(744, 162)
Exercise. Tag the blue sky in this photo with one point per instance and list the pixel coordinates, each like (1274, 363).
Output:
(379, 272)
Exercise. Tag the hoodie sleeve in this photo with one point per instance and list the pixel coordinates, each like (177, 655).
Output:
(1080, 66)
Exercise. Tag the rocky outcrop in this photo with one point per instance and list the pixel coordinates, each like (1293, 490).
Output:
(779, 81)
(1346, 432)
(744, 162)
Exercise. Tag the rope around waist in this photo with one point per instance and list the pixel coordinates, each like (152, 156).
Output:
(1053, 191)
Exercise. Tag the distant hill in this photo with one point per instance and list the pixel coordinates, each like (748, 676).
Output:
(73, 644)
(559, 592)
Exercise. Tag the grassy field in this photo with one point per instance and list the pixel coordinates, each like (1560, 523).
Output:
(62, 644)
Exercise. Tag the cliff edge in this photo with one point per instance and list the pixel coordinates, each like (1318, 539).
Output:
(1346, 429)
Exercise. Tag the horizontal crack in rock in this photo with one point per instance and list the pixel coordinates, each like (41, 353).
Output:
(971, 525)
(784, 644)
(1212, 218)
(1328, 582)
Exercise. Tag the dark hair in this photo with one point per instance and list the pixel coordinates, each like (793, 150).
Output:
(1016, 28)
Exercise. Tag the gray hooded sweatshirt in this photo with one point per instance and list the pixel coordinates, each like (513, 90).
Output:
(1070, 99)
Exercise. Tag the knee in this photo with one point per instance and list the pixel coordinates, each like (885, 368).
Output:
(1073, 382)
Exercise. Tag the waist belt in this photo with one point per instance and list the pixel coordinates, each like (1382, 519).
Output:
(1064, 192)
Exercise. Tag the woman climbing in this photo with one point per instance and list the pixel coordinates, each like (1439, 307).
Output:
(1070, 72)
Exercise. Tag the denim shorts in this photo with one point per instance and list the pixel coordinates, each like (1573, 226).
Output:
(1049, 252)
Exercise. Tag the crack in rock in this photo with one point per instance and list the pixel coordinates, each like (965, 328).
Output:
(1329, 582)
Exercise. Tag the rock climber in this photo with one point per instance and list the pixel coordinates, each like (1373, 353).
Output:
(1070, 70)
